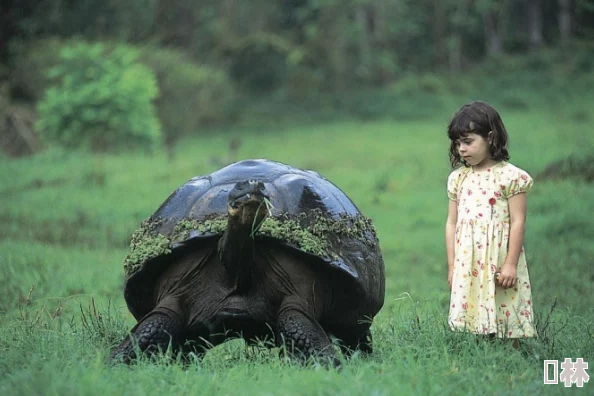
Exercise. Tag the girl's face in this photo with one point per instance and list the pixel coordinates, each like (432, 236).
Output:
(474, 149)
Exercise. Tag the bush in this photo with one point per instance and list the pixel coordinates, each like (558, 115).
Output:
(190, 94)
(101, 99)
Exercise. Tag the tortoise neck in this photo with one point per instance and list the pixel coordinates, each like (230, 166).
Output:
(236, 252)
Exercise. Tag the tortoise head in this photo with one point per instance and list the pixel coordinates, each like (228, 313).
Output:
(246, 206)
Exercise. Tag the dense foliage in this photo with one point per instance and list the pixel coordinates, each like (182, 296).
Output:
(278, 61)
(328, 44)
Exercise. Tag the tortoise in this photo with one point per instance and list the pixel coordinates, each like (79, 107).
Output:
(216, 262)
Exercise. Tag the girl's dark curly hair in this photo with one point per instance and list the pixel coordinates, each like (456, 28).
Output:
(480, 118)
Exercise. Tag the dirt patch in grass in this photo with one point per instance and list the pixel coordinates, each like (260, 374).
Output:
(573, 167)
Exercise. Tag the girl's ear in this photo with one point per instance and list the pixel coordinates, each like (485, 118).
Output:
(490, 137)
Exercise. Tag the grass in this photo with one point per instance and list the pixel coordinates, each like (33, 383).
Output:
(67, 219)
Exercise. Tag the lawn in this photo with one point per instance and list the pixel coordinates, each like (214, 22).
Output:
(67, 219)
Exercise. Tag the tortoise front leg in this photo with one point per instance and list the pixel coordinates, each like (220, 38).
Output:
(152, 333)
(303, 336)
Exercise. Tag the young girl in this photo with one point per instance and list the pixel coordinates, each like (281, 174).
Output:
(488, 276)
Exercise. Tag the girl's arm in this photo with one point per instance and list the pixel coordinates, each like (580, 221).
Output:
(450, 235)
(517, 219)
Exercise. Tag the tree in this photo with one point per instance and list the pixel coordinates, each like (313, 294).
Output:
(534, 11)
(439, 32)
(564, 21)
(493, 13)
(459, 15)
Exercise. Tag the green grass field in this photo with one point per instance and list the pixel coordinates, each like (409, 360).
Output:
(66, 220)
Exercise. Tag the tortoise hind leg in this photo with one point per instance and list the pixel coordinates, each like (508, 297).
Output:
(303, 336)
(156, 331)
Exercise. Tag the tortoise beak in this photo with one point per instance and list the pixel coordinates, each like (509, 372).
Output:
(247, 192)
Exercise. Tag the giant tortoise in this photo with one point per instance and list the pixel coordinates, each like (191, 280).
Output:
(257, 250)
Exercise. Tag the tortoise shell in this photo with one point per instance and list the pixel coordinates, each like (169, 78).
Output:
(309, 214)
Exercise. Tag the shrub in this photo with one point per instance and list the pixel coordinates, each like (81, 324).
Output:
(101, 99)
(190, 94)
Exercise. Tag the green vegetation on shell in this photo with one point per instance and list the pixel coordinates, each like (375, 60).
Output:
(147, 243)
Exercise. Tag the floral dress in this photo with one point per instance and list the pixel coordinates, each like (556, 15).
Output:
(477, 304)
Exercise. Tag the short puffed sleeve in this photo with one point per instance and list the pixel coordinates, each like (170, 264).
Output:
(454, 184)
(519, 181)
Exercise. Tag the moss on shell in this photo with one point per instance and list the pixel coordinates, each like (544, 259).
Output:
(293, 233)
(309, 232)
(145, 245)
(212, 225)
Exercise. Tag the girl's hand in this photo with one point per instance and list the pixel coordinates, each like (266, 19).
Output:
(507, 276)
(450, 275)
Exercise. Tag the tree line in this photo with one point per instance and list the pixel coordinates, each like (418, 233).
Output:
(330, 43)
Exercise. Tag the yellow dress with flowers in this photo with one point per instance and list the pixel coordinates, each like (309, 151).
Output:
(477, 303)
